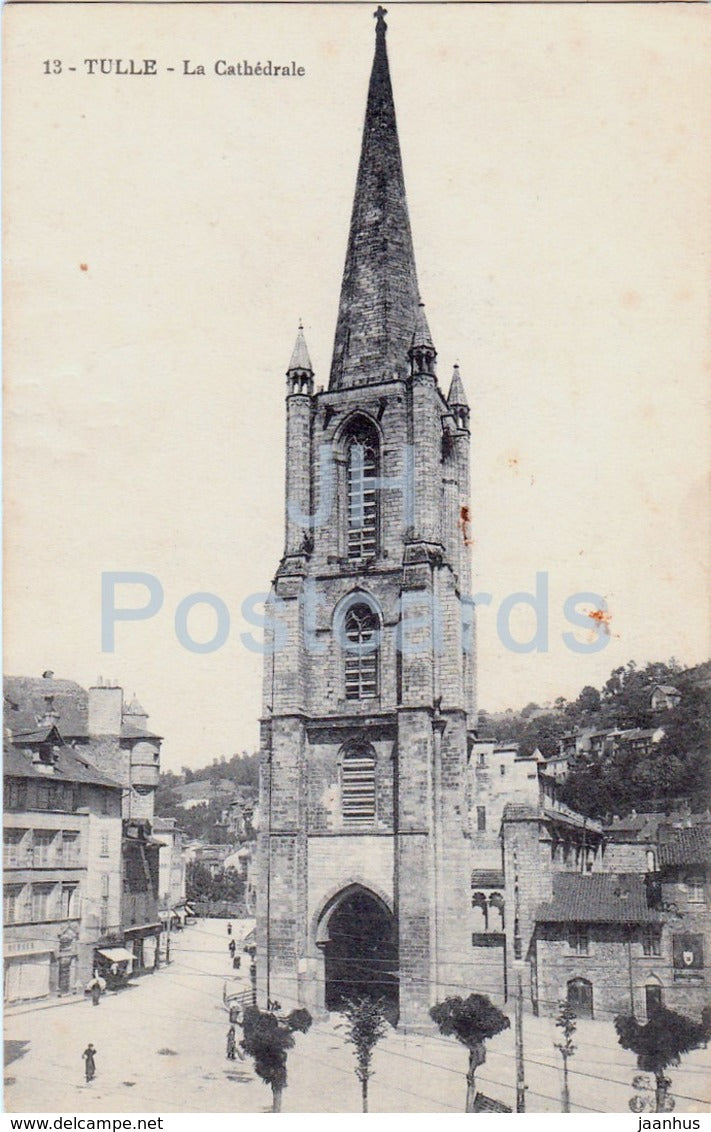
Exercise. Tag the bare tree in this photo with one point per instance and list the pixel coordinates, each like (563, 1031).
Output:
(567, 1023)
(366, 1025)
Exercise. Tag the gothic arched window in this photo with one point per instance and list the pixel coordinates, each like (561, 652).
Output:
(362, 471)
(358, 785)
(361, 639)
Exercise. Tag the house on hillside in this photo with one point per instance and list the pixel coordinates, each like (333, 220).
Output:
(664, 697)
(201, 792)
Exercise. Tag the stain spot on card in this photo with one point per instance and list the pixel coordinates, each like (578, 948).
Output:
(464, 522)
(603, 618)
(631, 299)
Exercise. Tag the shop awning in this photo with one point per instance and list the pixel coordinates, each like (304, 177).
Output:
(115, 954)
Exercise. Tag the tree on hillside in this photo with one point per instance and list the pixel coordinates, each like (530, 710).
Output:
(678, 766)
(202, 884)
(366, 1025)
(268, 1039)
(471, 1021)
(588, 702)
(543, 733)
(687, 738)
(661, 1043)
(626, 696)
(528, 710)
(198, 881)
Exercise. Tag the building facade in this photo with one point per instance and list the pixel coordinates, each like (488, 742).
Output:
(369, 688)
(101, 730)
(612, 919)
(61, 856)
(171, 882)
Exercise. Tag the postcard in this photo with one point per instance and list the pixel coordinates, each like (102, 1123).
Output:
(357, 699)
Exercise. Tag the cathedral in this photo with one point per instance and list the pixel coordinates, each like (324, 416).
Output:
(369, 681)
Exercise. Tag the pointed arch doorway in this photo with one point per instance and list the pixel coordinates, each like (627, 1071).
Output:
(357, 933)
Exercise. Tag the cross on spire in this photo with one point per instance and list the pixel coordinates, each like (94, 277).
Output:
(379, 14)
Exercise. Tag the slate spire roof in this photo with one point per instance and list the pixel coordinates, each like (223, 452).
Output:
(379, 295)
(300, 355)
(422, 335)
(456, 395)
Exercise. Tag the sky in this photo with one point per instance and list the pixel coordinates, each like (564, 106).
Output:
(164, 235)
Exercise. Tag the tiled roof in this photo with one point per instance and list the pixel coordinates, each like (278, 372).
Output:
(605, 898)
(691, 846)
(518, 810)
(70, 766)
(487, 878)
(644, 827)
(25, 702)
(130, 731)
(558, 811)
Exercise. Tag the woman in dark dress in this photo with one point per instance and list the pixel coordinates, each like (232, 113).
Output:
(90, 1063)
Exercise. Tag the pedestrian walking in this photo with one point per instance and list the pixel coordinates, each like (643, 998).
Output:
(229, 928)
(232, 948)
(89, 1063)
(231, 1044)
(95, 986)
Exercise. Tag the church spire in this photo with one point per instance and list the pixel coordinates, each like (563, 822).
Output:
(379, 294)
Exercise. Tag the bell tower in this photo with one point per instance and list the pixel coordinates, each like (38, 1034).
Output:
(369, 672)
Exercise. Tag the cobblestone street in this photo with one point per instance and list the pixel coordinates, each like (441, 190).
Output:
(161, 1048)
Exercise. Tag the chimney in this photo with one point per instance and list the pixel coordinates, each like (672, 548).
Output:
(50, 716)
(105, 709)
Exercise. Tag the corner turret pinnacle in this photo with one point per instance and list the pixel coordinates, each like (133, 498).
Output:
(422, 353)
(299, 376)
(379, 292)
(457, 400)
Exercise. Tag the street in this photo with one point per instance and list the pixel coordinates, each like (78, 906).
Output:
(161, 1048)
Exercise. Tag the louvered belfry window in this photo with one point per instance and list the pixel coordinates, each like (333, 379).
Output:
(361, 652)
(358, 786)
(362, 497)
